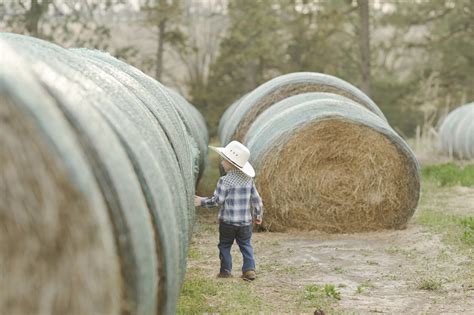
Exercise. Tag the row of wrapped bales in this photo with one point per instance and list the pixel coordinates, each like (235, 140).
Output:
(97, 184)
(195, 125)
(456, 133)
(324, 159)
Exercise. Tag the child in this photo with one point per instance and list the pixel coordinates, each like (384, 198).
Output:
(237, 196)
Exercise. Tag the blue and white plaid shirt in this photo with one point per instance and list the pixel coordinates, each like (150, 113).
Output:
(237, 196)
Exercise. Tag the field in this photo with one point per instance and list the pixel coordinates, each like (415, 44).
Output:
(427, 268)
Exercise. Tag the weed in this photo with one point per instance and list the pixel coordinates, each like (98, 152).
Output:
(365, 285)
(311, 292)
(331, 291)
(429, 283)
(338, 270)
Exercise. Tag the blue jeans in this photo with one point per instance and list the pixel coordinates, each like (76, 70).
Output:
(243, 235)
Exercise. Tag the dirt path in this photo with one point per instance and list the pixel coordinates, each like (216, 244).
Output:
(411, 271)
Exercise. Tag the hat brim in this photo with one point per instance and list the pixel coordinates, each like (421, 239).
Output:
(247, 169)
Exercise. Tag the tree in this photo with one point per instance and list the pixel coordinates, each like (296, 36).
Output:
(251, 52)
(164, 15)
(67, 23)
(364, 44)
(435, 55)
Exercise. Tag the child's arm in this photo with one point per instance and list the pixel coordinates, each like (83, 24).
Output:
(257, 205)
(217, 199)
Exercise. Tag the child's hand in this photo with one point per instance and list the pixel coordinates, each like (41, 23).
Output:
(258, 221)
(197, 201)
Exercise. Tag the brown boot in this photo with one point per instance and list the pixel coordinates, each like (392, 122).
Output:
(249, 275)
(224, 274)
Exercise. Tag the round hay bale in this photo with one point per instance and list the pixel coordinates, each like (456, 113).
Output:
(239, 121)
(57, 250)
(149, 147)
(333, 166)
(296, 100)
(225, 118)
(164, 109)
(112, 167)
(457, 133)
(196, 127)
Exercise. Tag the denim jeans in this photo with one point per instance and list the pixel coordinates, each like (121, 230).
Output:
(243, 235)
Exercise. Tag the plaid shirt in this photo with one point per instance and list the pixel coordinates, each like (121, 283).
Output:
(237, 196)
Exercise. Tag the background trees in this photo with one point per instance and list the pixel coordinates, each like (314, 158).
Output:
(414, 58)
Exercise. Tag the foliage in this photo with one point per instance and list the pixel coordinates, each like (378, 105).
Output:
(67, 23)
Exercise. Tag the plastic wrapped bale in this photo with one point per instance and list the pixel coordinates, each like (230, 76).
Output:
(225, 117)
(457, 133)
(237, 123)
(164, 109)
(196, 126)
(57, 250)
(333, 166)
(117, 155)
(132, 100)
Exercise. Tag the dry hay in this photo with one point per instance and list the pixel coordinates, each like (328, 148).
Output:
(282, 93)
(335, 176)
(52, 257)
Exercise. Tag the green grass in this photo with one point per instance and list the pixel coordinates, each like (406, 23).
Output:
(449, 174)
(361, 287)
(468, 230)
(456, 229)
(315, 292)
(207, 294)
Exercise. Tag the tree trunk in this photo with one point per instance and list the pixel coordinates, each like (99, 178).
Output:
(161, 48)
(34, 15)
(364, 44)
(162, 18)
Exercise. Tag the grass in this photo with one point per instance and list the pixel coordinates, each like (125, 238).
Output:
(429, 283)
(455, 229)
(206, 294)
(468, 230)
(338, 270)
(320, 298)
(449, 174)
(361, 287)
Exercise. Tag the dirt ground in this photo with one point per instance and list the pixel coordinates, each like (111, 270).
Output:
(413, 271)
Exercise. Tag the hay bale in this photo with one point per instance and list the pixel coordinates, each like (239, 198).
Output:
(262, 119)
(224, 121)
(164, 109)
(237, 123)
(57, 250)
(457, 133)
(333, 166)
(196, 127)
(127, 206)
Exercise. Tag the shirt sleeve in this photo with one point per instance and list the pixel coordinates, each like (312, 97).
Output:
(218, 198)
(257, 203)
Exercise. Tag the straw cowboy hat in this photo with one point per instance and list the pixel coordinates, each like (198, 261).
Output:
(238, 155)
